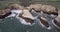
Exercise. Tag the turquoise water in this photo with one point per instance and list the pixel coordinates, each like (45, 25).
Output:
(13, 25)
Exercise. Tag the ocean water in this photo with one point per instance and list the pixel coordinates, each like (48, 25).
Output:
(14, 24)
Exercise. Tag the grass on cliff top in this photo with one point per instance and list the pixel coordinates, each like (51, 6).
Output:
(54, 0)
(2, 6)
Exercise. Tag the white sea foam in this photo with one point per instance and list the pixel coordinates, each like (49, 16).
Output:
(24, 22)
(15, 13)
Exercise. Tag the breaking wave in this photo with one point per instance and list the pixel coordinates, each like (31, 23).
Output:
(16, 13)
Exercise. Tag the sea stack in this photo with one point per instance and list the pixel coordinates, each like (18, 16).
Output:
(27, 16)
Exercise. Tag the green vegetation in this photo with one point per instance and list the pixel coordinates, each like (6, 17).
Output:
(53, 0)
(4, 4)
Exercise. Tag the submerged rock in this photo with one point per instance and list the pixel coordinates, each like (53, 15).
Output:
(43, 22)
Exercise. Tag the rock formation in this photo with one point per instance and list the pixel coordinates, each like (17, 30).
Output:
(4, 13)
(45, 8)
(37, 7)
(44, 21)
(27, 16)
(13, 7)
(49, 9)
(56, 22)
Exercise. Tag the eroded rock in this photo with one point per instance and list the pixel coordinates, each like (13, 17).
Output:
(57, 22)
(27, 16)
(15, 9)
(45, 8)
(4, 13)
(44, 21)
(37, 7)
(49, 9)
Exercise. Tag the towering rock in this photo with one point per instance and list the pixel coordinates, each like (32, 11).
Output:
(27, 16)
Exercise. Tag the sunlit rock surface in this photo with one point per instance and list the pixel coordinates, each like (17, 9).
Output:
(15, 9)
(37, 7)
(56, 22)
(27, 16)
(23, 19)
(9, 12)
(45, 8)
(49, 9)
(45, 19)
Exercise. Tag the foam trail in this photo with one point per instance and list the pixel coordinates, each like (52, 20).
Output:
(15, 13)
(12, 15)
(24, 22)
